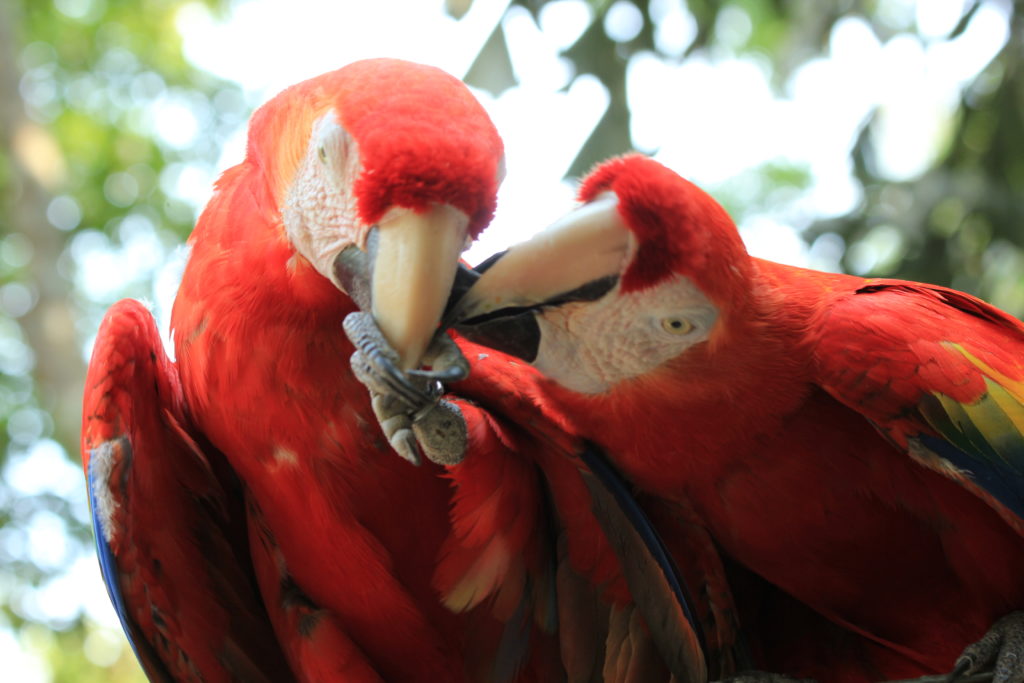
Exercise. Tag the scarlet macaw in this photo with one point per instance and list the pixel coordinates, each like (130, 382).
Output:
(855, 442)
(358, 192)
(358, 186)
(169, 529)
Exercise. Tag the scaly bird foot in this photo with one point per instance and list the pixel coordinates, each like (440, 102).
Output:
(377, 366)
(1003, 644)
(408, 406)
(763, 677)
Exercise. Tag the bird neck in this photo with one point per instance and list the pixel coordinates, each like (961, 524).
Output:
(243, 265)
(678, 421)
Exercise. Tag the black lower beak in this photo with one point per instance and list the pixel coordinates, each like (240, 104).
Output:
(516, 334)
(515, 330)
(465, 278)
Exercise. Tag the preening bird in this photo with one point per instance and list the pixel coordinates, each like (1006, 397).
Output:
(853, 444)
(359, 188)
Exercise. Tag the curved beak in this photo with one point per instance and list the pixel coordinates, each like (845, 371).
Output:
(413, 259)
(578, 258)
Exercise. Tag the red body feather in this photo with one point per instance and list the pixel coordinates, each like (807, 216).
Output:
(601, 631)
(346, 535)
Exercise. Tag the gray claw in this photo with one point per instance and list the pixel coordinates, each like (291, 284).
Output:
(406, 404)
(445, 360)
(377, 365)
(396, 424)
(1003, 644)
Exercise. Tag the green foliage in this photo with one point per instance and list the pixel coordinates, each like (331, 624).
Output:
(958, 224)
(760, 190)
(83, 165)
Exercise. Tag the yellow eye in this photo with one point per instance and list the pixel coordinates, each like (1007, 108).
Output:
(674, 325)
(322, 153)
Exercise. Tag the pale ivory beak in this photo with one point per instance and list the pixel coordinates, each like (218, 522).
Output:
(585, 245)
(416, 258)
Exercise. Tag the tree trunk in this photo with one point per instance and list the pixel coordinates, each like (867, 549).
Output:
(49, 327)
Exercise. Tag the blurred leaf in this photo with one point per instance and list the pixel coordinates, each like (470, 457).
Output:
(79, 97)
(457, 8)
(961, 25)
(492, 68)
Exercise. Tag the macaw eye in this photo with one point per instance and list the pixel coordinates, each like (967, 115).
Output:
(322, 153)
(675, 325)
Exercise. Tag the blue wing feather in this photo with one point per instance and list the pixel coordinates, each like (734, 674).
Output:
(108, 566)
(994, 481)
(615, 485)
(100, 457)
(171, 547)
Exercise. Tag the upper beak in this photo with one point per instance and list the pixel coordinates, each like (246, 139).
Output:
(578, 258)
(412, 260)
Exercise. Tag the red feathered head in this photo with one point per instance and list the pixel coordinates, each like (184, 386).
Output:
(421, 136)
(679, 228)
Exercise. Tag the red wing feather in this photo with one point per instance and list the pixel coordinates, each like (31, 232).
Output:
(176, 570)
(941, 374)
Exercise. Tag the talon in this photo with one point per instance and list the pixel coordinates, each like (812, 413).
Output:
(445, 359)
(1003, 645)
(404, 443)
(396, 381)
(397, 427)
(366, 372)
(406, 405)
(452, 374)
(377, 364)
(964, 663)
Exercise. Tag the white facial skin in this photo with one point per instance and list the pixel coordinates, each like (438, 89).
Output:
(320, 212)
(417, 248)
(588, 347)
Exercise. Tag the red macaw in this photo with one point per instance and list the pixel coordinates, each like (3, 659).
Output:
(358, 187)
(855, 443)
(169, 528)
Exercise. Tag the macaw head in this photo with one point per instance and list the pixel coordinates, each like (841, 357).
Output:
(382, 171)
(646, 270)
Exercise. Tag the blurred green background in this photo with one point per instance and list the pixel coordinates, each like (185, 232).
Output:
(109, 136)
